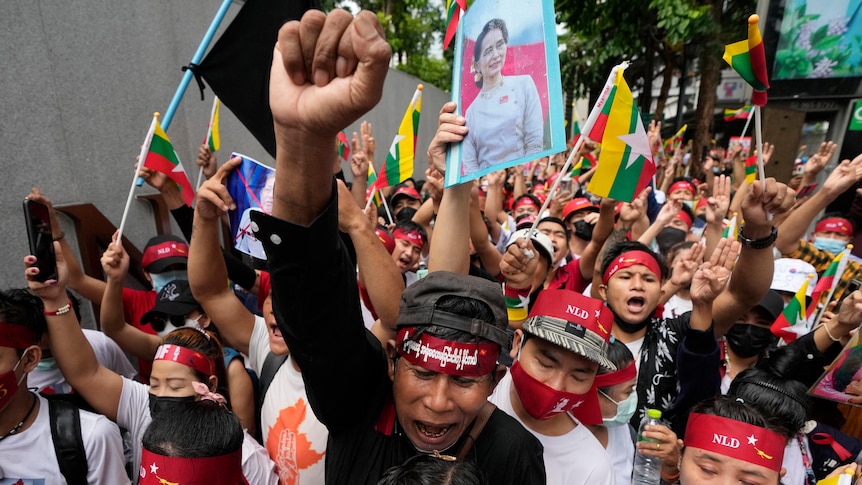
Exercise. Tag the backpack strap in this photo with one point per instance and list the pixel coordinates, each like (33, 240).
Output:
(478, 425)
(268, 370)
(68, 442)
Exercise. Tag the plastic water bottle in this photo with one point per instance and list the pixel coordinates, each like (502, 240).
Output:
(422, 271)
(647, 469)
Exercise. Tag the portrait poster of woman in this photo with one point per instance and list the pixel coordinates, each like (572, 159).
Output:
(842, 380)
(506, 81)
(250, 185)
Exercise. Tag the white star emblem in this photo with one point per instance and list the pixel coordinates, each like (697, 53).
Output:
(398, 138)
(799, 330)
(639, 143)
(154, 469)
(752, 440)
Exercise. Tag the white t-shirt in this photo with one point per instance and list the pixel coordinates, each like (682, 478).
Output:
(30, 458)
(574, 458)
(635, 347)
(621, 449)
(793, 463)
(133, 413)
(676, 306)
(108, 353)
(295, 439)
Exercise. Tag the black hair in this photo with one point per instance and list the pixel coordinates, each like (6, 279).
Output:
(410, 226)
(201, 429)
(624, 246)
(782, 401)
(405, 214)
(430, 470)
(620, 355)
(839, 215)
(733, 408)
(207, 344)
(20, 307)
(493, 24)
(556, 220)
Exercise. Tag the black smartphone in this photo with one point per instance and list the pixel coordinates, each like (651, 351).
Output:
(852, 286)
(41, 238)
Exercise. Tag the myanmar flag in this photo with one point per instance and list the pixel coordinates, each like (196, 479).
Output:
(585, 164)
(676, 140)
(399, 161)
(793, 321)
(747, 58)
(162, 158)
(213, 139)
(738, 114)
(371, 191)
(731, 229)
(453, 16)
(828, 280)
(751, 169)
(343, 146)
(625, 162)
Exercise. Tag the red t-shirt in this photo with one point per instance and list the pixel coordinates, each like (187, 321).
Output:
(569, 277)
(135, 304)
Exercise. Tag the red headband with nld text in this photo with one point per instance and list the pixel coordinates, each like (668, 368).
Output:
(413, 237)
(735, 439)
(834, 224)
(447, 356)
(186, 357)
(632, 258)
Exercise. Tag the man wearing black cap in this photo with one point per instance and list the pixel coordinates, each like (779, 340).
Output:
(429, 395)
(403, 196)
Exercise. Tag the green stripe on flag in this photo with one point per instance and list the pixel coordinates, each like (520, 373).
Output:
(164, 148)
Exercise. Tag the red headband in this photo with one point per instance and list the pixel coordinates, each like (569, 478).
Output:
(186, 357)
(16, 336)
(682, 184)
(631, 258)
(834, 224)
(413, 237)
(627, 373)
(735, 439)
(524, 201)
(446, 356)
(685, 218)
(159, 469)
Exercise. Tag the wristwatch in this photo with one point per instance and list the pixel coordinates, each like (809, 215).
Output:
(762, 243)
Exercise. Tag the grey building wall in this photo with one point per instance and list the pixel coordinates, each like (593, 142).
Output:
(78, 86)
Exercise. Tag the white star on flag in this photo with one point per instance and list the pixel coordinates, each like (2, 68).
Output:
(639, 143)
(398, 138)
(752, 440)
(800, 329)
(525, 301)
(154, 469)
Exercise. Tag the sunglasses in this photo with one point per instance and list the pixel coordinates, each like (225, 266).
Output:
(159, 323)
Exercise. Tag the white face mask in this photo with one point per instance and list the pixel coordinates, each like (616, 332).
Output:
(194, 322)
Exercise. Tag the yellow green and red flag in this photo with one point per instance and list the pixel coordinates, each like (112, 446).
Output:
(738, 114)
(162, 158)
(793, 321)
(625, 163)
(731, 229)
(751, 169)
(453, 16)
(676, 140)
(398, 166)
(343, 146)
(213, 138)
(373, 191)
(829, 279)
(747, 58)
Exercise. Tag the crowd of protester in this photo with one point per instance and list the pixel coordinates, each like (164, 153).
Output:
(440, 341)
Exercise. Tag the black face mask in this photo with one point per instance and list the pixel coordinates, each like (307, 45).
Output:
(629, 327)
(669, 236)
(160, 404)
(746, 340)
(584, 230)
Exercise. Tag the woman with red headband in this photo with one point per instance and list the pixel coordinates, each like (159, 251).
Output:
(187, 367)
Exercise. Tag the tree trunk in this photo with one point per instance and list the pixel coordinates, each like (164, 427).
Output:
(666, 81)
(710, 76)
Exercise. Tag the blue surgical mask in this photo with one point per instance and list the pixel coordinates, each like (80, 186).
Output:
(46, 364)
(689, 204)
(834, 246)
(161, 279)
(625, 410)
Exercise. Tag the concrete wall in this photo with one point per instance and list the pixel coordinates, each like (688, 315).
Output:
(80, 82)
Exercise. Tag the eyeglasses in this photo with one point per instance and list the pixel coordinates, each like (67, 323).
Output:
(159, 323)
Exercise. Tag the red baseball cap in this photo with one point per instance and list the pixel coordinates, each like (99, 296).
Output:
(163, 251)
(406, 191)
(575, 205)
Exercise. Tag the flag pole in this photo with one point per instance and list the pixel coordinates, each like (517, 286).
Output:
(585, 130)
(370, 199)
(842, 265)
(141, 158)
(388, 212)
(189, 74)
(209, 133)
(758, 133)
(745, 128)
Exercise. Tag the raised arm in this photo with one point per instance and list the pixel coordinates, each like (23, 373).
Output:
(115, 264)
(100, 386)
(753, 272)
(451, 249)
(716, 211)
(794, 227)
(601, 232)
(207, 271)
